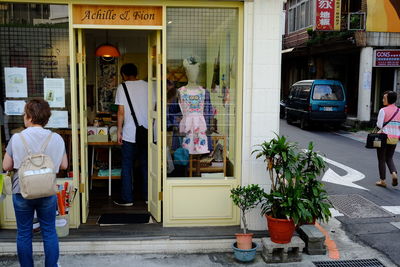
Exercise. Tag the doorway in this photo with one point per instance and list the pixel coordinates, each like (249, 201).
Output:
(384, 81)
(100, 155)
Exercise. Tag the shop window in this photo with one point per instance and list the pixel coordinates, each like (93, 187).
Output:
(34, 63)
(202, 91)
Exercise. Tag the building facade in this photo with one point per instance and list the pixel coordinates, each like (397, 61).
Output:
(339, 40)
(50, 51)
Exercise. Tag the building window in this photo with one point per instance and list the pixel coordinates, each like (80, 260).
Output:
(202, 91)
(301, 14)
(34, 63)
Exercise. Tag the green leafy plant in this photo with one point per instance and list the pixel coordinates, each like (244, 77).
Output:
(246, 198)
(295, 191)
(312, 167)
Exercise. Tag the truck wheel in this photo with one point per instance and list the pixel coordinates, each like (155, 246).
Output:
(304, 123)
(289, 119)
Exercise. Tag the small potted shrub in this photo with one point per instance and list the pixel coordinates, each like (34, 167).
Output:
(293, 197)
(246, 198)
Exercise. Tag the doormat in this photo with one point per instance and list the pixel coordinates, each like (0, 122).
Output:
(122, 218)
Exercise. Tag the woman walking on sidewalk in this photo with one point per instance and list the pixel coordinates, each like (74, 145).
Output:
(388, 123)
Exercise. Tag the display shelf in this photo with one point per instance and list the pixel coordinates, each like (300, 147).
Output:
(96, 176)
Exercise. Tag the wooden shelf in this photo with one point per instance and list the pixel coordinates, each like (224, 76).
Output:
(97, 177)
(194, 160)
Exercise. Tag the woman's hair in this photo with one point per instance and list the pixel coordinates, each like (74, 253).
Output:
(391, 96)
(38, 110)
(129, 69)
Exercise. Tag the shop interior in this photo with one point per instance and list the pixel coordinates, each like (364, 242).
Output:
(102, 79)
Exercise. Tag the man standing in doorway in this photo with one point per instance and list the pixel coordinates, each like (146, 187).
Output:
(131, 151)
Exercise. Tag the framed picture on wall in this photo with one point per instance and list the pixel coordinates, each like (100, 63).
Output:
(106, 83)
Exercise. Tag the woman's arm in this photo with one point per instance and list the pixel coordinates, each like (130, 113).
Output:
(8, 163)
(64, 162)
(381, 118)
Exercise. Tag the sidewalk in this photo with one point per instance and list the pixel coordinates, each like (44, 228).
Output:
(188, 252)
(360, 136)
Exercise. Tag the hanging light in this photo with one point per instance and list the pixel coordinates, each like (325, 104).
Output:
(107, 50)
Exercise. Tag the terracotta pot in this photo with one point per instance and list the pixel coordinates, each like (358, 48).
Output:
(244, 241)
(280, 230)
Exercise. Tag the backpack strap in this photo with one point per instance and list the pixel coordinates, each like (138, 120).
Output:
(46, 142)
(26, 146)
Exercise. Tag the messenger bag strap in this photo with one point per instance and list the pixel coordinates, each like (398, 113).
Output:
(130, 105)
(397, 111)
(26, 146)
(46, 143)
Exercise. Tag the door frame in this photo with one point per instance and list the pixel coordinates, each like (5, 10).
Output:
(81, 180)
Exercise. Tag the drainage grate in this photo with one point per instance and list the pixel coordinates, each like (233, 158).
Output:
(356, 206)
(350, 263)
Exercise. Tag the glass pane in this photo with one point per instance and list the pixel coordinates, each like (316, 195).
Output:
(328, 92)
(202, 91)
(34, 63)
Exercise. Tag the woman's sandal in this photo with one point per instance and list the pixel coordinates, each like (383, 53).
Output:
(381, 183)
(394, 179)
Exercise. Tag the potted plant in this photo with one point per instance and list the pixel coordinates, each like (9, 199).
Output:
(312, 167)
(246, 198)
(293, 174)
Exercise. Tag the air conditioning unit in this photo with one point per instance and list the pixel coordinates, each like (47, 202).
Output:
(356, 21)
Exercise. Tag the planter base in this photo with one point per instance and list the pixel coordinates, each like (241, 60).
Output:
(244, 255)
(290, 252)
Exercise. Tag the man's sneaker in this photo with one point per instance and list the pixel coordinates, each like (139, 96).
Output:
(123, 203)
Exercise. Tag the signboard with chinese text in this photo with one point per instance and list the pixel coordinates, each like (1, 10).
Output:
(117, 15)
(328, 15)
(387, 58)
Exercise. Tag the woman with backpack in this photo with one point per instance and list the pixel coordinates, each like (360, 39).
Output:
(35, 139)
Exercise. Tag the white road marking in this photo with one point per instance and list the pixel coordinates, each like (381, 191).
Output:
(347, 180)
(392, 209)
(335, 212)
(396, 224)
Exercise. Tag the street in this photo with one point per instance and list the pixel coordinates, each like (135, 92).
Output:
(364, 218)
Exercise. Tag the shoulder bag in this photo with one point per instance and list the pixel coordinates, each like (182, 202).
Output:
(379, 140)
(141, 131)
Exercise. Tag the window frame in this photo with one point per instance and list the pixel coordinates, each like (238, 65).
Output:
(299, 22)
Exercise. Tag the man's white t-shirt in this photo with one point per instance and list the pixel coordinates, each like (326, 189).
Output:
(138, 94)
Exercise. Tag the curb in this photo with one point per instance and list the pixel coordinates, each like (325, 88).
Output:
(165, 246)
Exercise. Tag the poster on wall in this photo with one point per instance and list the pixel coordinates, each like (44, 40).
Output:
(383, 16)
(15, 82)
(54, 92)
(58, 119)
(328, 15)
(14, 107)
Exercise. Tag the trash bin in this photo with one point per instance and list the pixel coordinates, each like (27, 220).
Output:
(62, 225)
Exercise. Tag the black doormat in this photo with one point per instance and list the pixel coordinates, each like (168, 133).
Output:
(122, 218)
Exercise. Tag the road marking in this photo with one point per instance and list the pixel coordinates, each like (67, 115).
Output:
(333, 251)
(335, 212)
(347, 180)
(392, 209)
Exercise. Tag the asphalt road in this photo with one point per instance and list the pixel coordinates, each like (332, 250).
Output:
(370, 224)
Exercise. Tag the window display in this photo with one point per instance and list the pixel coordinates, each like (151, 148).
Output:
(34, 63)
(201, 91)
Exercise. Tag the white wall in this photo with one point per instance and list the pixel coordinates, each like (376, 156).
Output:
(262, 76)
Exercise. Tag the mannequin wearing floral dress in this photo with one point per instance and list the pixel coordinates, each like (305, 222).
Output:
(191, 102)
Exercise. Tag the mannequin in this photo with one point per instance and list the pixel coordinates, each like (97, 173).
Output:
(191, 100)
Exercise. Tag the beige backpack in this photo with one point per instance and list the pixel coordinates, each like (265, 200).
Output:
(36, 174)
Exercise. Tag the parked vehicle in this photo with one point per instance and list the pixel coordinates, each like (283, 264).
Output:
(316, 101)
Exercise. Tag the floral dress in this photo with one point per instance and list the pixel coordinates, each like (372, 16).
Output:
(193, 124)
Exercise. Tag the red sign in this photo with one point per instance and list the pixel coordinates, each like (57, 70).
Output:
(328, 15)
(387, 58)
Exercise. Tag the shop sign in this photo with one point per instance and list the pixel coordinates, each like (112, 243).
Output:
(328, 15)
(387, 58)
(117, 15)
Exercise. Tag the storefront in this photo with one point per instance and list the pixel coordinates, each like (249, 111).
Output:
(229, 51)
